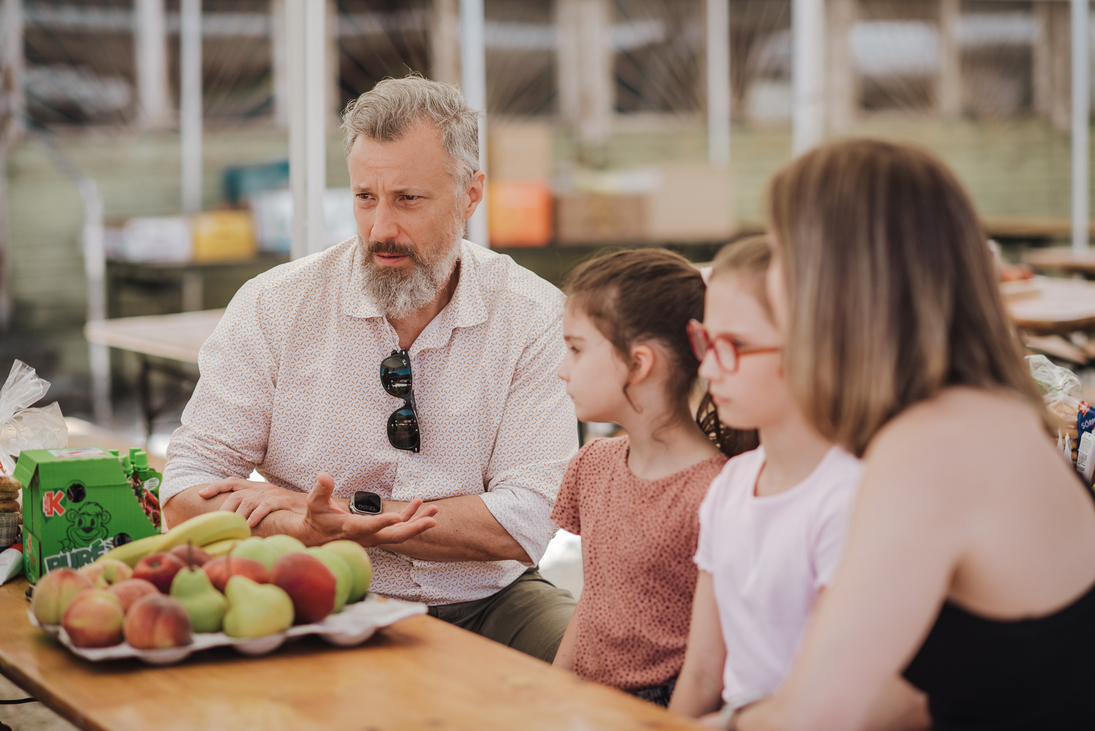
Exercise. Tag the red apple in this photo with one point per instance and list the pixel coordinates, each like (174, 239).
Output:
(156, 622)
(190, 555)
(131, 590)
(309, 583)
(160, 569)
(54, 591)
(107, 572)
(221, 569)
(94, 619)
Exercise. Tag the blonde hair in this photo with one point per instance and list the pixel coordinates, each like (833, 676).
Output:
(748, 259)
(891, 291)
(394, 106)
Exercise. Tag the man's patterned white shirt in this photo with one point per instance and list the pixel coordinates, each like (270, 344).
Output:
(290, 386)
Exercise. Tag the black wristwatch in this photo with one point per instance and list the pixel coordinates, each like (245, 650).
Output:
(366, 503)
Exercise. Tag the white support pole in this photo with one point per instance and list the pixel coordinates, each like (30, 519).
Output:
(306, 45)
(331, 76)
(1080, 112)
(12, 121)
(279, 63)
(190, 103)
(12, 99)
(949, 91)
(473, 70)
(718, 83)
(445, 41)
(807, 74)
(150, 45)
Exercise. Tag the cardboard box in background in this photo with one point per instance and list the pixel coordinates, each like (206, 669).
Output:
(597, 218)
(77, 505)
(150, 238)
(272, 213)
(677, 203)
(692, 203)
(222, 236)
(520, 151)
(519, 213)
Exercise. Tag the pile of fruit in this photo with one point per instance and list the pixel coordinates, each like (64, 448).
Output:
(205, 575)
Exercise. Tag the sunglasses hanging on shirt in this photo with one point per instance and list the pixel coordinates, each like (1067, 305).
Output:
(395, 377)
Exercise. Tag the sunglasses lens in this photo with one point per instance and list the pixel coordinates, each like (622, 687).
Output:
(395, 375)
(403, 429)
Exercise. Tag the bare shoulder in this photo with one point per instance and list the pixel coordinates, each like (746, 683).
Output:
(963, 433)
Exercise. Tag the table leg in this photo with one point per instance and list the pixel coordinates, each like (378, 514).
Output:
(144, 394)
(192, 294)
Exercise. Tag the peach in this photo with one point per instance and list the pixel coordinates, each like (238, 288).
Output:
(309, 583)
(190, 555)
(156, 622)
(54, 591)
(94, 619)
(107, 572)
(131, 590)
(160, 569)
(220, 570)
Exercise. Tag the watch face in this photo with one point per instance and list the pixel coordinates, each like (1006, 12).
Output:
(367, 502)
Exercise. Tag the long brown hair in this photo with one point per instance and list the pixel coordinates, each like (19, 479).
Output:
(891, 291)
(651, 294)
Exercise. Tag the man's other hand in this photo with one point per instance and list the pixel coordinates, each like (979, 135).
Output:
(255, 500)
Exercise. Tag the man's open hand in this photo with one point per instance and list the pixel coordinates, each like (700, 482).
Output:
(324, 520)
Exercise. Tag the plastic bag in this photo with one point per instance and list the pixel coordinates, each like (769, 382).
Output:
(23, 427)
(1061, 389)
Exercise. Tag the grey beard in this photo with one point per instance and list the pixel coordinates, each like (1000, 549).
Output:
(399, 294)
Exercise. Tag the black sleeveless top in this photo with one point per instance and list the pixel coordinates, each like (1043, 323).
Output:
(1026, 674)
(1029, 674)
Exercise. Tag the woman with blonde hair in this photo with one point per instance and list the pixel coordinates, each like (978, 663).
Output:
(970, 557)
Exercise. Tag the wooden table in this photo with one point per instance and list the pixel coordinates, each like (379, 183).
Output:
(1043, 306)
(1061, 258)
(420, 673)
(175, 338)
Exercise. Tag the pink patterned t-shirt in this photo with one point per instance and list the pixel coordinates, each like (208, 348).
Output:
(638, 540)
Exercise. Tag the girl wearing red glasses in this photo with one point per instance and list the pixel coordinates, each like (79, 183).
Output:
(772, 524)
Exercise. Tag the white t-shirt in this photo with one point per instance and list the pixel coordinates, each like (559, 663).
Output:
(769, 558)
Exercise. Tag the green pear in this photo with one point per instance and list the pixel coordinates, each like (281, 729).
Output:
(284, 544)
(256, 610)
(361, 568)
(255, 548)
(205, 605)
(344, 578)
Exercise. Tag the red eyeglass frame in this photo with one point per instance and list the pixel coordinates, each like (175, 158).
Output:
(702, 342)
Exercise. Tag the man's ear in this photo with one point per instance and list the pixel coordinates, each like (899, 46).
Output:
(475, 193)
(642, 364)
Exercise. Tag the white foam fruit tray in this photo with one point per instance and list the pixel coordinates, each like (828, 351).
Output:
(353, 625)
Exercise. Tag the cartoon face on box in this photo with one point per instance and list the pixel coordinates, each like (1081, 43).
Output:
(77, 505)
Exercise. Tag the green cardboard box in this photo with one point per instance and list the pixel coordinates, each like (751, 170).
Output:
(77, 505)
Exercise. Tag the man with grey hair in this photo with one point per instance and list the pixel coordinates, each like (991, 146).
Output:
(407, 377)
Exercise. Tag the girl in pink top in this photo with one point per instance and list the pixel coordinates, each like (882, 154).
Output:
(772, 524)
(634, 499)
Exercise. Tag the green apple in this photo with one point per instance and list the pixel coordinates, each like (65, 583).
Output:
(256, 610)
(343, 576)
(284, 544)
(255, 548)
(205, 605)
(355, 555)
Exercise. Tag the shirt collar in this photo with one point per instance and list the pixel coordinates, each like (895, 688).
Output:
(467, 307)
